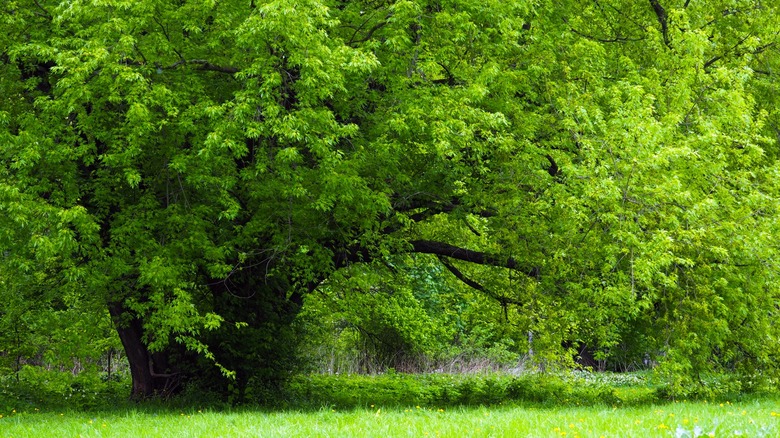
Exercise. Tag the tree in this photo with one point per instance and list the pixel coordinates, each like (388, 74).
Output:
(196, 167)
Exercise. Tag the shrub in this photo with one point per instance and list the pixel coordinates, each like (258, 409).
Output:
(36, 387)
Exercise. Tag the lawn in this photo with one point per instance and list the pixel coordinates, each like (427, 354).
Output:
(758, 417)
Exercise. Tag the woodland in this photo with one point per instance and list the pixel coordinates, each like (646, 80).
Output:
(225, 193)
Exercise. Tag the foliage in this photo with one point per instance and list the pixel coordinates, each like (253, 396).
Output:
(37, 388)
(409, 315)
(58, 335)
(607, 170)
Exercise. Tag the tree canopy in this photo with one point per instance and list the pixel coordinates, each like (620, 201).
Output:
(194, 167)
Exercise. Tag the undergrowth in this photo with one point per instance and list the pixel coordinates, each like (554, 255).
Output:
(36, 388)
(393, 389)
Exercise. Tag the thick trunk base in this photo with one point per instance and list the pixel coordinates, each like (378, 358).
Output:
(147, 381)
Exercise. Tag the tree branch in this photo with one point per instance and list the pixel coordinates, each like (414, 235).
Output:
(204, 65)
(476, 286)
(615, 39)
(467, 255)
(46, 13)
(716, 58)
(660, 12)
(370, 33)
(444, 206)
(167, 37)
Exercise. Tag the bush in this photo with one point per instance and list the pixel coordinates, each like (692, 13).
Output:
(36, 387)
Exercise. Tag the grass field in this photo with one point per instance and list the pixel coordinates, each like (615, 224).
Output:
(752, 418)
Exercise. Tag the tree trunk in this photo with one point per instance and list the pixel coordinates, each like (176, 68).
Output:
(131, 334)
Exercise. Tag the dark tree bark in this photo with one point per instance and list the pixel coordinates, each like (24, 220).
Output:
(146, 382)
(131, 334)
(467, 255)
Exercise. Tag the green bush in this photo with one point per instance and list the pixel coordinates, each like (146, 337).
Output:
(36, 387)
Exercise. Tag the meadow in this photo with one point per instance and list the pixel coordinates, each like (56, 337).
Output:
(573, 404)
(758, 417)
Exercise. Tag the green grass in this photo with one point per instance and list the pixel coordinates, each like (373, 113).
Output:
(577, 405)
(751, 418)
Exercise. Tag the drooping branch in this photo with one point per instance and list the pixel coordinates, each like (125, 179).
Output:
(46, 14)
(663, 19)
(716, 58)
(419, 210)
(354, 40)
(471, 228)
(456, 252)
(477, 286)
(168, 37)
(553, 169)
(738, 53)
